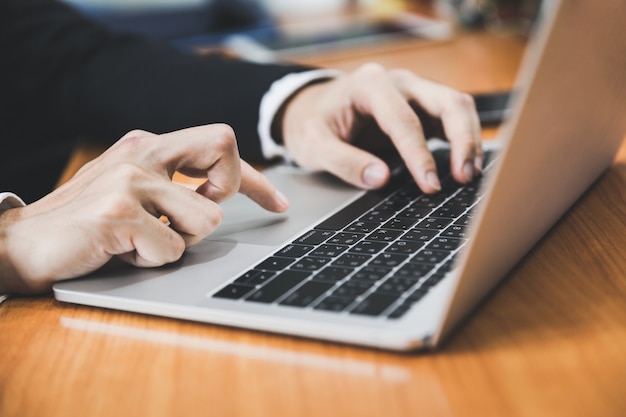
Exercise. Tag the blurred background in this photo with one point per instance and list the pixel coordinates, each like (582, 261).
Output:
(272, 26)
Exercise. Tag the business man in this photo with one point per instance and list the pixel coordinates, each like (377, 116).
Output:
(64, 78)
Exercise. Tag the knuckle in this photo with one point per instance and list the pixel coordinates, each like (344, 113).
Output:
(127, 173)
(132, 142)
(133, 138)
(177, 248)
(214, 217)
(209, 218)
(371, 70)
(402, 74)
(462, 100)
(135, 133)
(408, 118)
(229, 186)
(224, 136)
(122, 201)
(117, 206)
(170, 252)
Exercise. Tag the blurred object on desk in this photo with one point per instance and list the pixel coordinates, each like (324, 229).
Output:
(312, 26)
(265, 30)
(182, 23)
(516, 16)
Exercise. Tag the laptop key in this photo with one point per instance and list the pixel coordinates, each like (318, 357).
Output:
(433, 223)
(374, 304)
(254, 277)
(384, 235)
(346, 238)
(401, 310)
(428, 256)
(280, 285)
(447, 266)
(335, 304)
(306, 293)
(455, 231)
(233, 291)
(433, 280)
(464, 220)
(445, 243)
(294, 251)
(377, 216)
(404, 247)
(417, 294)
(394, 203)
(419, 235)
(275, 263)
(371, 273)
(362, 227)
(352, 260)
(415, 212)
(314, 237)
(400, 223)
(329, 251)
(310, 263)
(415, 270)
(332, 274)
(449, 212)
(465, 198)
(351, 289)
(388, 260)
(395, 286)
(430, 200)
(346, 215)
(369, 247)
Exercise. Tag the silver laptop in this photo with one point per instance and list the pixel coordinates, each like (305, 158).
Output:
(400, 272)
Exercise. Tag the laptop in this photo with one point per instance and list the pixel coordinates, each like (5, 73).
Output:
(401, 272)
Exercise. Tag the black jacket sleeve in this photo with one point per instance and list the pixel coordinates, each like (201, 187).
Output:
(65, 78)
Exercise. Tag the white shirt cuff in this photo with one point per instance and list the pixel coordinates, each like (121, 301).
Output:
(278, 93)
(9, 201)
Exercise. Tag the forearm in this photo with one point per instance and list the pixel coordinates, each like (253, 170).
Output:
(88, 82)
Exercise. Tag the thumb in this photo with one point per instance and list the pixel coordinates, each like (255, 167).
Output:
(353, 165)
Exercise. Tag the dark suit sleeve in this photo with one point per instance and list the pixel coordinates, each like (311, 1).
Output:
(67, 77)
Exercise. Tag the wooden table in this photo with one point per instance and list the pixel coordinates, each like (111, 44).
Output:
(551, 341)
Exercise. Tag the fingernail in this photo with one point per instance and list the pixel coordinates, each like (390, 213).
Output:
(282, 199)
(375, 175)
(433, 180)
(468, 171)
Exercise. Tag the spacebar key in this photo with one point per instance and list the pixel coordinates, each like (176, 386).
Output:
(374, 304)
(352, 211)
(283, 282)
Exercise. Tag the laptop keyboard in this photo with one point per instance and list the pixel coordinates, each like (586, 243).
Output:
(376, 257)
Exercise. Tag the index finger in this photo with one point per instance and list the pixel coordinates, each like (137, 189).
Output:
(256, 186)
(205, 152)
(458, 116)
(395, 117)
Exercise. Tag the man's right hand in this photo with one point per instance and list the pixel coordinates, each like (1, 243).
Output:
(114, 206)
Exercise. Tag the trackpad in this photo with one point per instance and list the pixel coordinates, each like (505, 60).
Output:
(312, 198)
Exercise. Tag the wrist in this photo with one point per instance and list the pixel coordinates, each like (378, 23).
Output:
(14, 254)
(9, 277)
(278, 123)
(273, 103)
